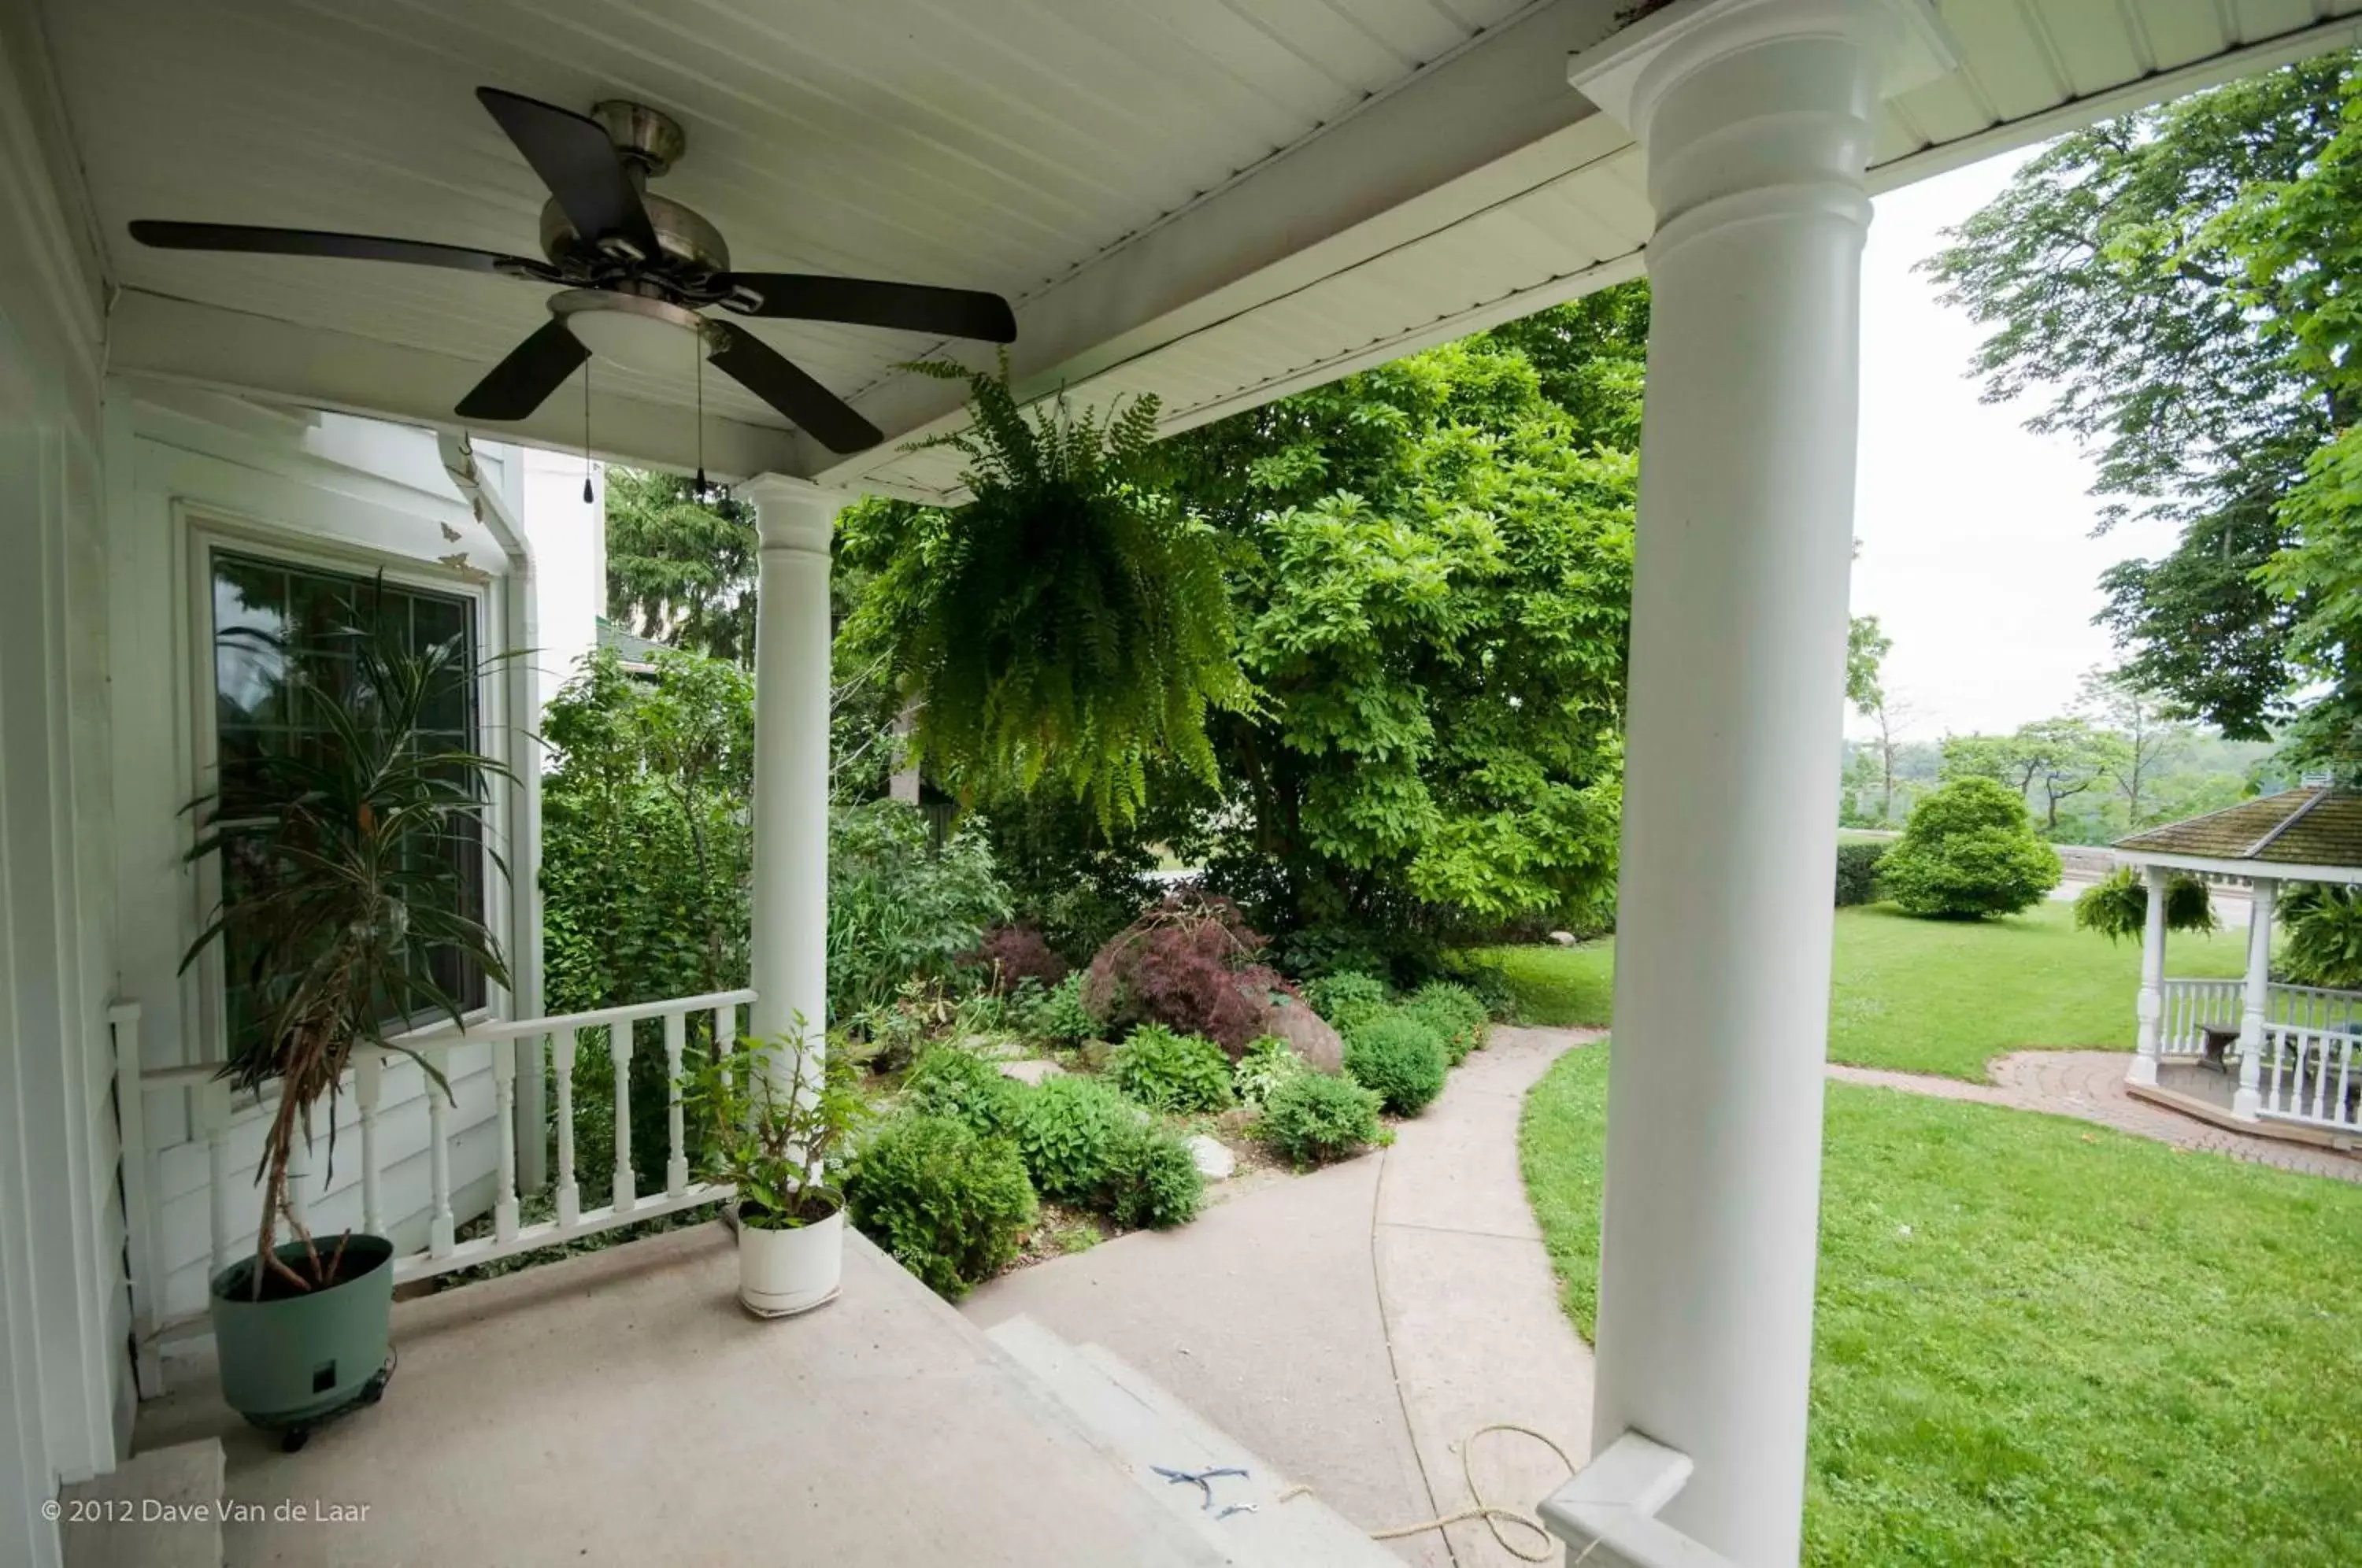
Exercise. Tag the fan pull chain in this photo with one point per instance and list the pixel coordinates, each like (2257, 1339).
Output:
(586, 433)
(704, 490)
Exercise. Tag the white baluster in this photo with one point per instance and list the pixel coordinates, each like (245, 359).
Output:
(562, 1046)
(369, 1090)
(440, 1228)
(504, 1203)
(2344, 1077)
(212, 1116)
(2317, 1047)
(675, 1030)
(725, 1032)
(619, 1046)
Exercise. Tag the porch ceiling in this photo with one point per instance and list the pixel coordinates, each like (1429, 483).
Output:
(1218, 202)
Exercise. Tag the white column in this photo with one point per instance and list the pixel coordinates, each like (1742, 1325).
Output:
(1756, 118)
(2152, 986)
(796, 521)
(2255, 1003)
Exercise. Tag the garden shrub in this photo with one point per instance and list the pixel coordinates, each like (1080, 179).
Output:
(2325, 935)
(2117, 905)
(1312, 1118)
(950, 1206)
(1059, 1015)
(1454, 1013)
(1190, 964)
(1858, 872)
(1165, 1071)
(1152, 1180)
(1266, 1065)
(963, 1086)
(1347, 999)
(1070, 1130)
(900, 907)
(1489, 985)
(1012, 955)
(1968, 851)
(1400, 1056)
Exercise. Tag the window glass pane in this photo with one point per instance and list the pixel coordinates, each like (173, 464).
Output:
(283, 654)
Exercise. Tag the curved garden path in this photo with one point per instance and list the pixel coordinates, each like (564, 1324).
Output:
(1353, 1325)
(2089, 1086)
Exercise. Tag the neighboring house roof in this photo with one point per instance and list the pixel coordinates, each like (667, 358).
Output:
(2314, 825)
(638, 653)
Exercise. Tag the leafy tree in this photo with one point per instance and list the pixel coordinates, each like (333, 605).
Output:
(2139, 742)
(2055, 759)
(1968, 852)
(678, 569)
(1070, 622)
(1434, 613)
(1865, 650)
(1867, 646)
(2150, 280)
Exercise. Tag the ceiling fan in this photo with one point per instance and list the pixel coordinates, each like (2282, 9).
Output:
(636, 272)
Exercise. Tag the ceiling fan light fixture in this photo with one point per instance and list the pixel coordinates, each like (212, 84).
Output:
(629, 331)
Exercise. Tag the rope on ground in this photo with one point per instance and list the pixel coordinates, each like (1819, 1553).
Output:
(1493, 1515)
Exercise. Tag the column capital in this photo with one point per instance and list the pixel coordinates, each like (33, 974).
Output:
(1630, 74)
(793, 513)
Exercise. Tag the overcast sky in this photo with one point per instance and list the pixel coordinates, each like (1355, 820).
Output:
(1977, 554)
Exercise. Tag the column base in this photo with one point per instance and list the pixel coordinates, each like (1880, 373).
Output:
(2247, 1106)
(2142, 1071)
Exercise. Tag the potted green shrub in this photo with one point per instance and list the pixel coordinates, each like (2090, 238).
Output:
(344, 862)
(775, 1119)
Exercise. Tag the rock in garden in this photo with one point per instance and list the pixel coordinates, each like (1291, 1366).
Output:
(1306, 1030)
(1215, 1161)
(1564, 938)
(1032, 1072)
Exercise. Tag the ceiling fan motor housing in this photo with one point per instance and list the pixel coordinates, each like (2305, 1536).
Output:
(648, 141)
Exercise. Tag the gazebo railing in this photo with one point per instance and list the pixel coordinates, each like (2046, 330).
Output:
(2191, 1007)
(2310, 1075)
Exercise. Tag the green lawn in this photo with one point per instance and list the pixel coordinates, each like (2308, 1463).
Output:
(2043, 1343)
(1926, 996)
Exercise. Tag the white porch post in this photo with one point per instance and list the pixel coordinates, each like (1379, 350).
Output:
(1756, 118)
(795, 521)
(2255, 1006)
(2152, 986)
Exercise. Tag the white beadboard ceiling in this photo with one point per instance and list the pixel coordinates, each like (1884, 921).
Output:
(1215, 201)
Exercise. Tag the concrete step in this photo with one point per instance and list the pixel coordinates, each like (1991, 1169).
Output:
(157, 1509)
(1142, 1426)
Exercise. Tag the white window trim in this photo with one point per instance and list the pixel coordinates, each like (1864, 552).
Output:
(204, 531)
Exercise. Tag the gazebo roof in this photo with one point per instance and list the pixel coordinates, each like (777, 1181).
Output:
(2315, 825)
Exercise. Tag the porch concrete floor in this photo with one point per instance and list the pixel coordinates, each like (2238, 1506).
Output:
(619, 1408)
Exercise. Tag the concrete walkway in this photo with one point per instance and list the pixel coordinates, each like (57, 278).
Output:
(1353, 1326)
(2089, 1086)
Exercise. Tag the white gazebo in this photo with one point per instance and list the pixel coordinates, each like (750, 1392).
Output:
(2264, 1056)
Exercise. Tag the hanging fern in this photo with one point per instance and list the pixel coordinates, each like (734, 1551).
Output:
(1069, 623)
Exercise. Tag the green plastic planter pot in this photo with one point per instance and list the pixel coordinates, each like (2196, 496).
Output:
(287, 1362)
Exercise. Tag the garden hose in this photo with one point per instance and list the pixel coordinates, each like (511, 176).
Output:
(1492, 1514)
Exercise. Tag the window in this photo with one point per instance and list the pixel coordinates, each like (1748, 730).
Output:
(301, 614)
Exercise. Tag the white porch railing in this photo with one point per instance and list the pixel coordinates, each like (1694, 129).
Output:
(2193, 1006)
(1608, 1514)
(544, 1044)
(2309, 1076)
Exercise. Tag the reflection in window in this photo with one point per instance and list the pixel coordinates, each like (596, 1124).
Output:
(280, 652)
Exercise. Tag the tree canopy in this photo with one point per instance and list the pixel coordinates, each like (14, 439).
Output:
(2173, 287)
(680, 569)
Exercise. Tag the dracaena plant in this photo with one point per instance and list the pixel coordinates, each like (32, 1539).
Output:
(777, 1113)
(342, 883)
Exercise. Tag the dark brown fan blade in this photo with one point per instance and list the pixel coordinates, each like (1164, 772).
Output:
(518, 384)
(317, 242)
(755, 365)
(575, 159)
(866, 301)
